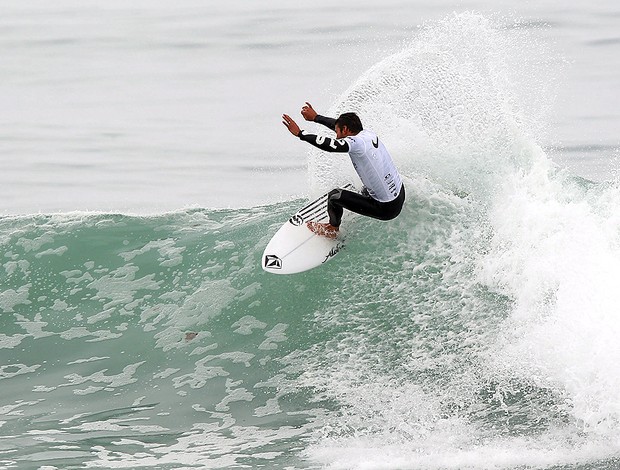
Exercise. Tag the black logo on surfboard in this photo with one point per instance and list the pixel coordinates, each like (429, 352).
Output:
(273, 262)
(333, 252)
(296, 220)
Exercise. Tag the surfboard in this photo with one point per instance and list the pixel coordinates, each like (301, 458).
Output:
(295, 248)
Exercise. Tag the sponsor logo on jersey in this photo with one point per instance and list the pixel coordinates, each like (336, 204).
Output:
(375, 142)
(320, 140)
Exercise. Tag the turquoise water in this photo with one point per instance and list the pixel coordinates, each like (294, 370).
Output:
(478, 330)
(434, 341)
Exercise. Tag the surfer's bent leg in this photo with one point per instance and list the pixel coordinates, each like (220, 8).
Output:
(362, 204)
(334, 207)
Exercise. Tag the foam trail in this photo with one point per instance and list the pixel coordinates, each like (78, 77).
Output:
(555, 251)
(501, 341)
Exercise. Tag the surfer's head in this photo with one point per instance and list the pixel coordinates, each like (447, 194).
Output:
(348, 124)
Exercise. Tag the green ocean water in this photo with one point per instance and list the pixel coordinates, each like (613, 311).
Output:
(124, 336)
(158, 342)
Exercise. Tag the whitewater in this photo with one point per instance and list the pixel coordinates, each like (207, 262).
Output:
(478, 330)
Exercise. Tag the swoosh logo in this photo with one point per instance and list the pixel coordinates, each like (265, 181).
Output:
(376, 144)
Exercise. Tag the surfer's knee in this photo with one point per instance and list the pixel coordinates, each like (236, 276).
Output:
(334, 194)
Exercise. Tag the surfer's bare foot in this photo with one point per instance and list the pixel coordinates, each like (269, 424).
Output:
(325, 230)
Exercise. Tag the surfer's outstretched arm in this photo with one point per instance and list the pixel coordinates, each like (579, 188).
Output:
(324, 143)
(309, 114)
(326, 121)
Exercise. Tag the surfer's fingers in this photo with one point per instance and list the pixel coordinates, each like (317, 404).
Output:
(290, 124)
(308, 112)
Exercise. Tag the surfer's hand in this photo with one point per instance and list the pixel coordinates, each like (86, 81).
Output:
(290, 125)
(308, 112)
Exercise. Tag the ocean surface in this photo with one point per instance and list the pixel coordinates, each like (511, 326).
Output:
(145, 168)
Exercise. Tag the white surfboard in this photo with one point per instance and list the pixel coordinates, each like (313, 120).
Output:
(295, 248)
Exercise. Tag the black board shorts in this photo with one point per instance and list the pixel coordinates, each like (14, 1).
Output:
(363, 204)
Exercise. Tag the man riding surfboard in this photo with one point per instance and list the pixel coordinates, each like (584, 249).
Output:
(383, 194)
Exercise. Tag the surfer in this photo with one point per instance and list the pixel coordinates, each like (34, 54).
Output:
(383, 194)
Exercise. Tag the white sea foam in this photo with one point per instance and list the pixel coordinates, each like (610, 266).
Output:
(543, 242)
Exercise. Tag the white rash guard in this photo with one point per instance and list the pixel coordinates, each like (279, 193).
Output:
(374, 166)
(370, 158)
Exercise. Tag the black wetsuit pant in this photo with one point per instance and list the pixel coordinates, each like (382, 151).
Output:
(363, 204)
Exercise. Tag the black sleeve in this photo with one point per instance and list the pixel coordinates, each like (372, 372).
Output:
(326, 121)
(325, 143)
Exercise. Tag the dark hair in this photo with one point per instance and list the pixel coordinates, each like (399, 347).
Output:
(351, 121)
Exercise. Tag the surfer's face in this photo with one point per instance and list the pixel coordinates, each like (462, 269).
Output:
(342, 132)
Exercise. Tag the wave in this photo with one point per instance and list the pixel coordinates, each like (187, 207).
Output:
(477, 330)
